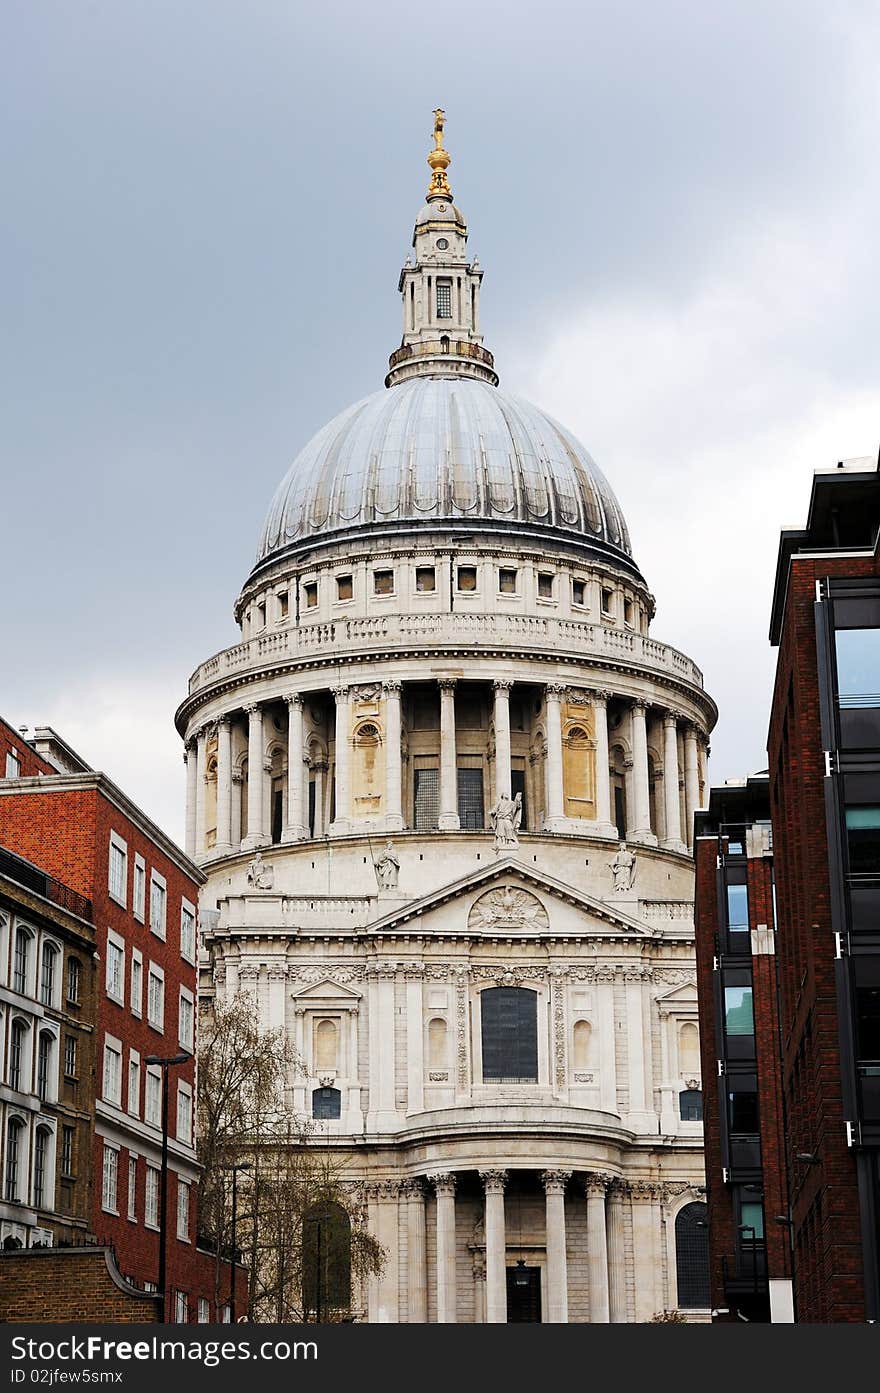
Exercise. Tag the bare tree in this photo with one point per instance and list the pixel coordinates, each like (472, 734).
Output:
(300, 1227)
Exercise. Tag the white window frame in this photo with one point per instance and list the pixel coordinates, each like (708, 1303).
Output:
(117, 843)
(112, 1046)
(183, 1203)
(46, 941)
(184, 1091)
(139, 888)
(134, 1069)
(187, 907)
(110, 1149)
(204, 1311)
(117, 942)
(186, 996)
(152, 1174)
(181, 1313)
(153, 1072)
(136, 995)
(156, 972)
(132, 1186)
(13, 765)
(157, 882)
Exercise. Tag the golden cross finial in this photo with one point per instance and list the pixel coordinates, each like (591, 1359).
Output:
(439, 160)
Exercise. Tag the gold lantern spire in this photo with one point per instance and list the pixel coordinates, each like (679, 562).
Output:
(439, 161)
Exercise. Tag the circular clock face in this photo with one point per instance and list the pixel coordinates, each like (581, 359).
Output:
(442, 244)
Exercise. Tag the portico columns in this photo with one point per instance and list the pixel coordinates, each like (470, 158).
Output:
(617, 1195)
(254, 837)
(224, 785)
(189, 756)
(641, 789)
(555, 808)
(294, 829)
(597, 1249)
(417, 1276)
(557, 1258)
(671, 802)
(393, 805)
(444, 1186)
(502, 688)
(603, 765)
(691, 781)
(496, 1247)
(201, 789)
(449, 819)
(340, 823)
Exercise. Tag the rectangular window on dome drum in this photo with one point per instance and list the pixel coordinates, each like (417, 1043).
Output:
(471, 812)
(444, 299)
(426, 799)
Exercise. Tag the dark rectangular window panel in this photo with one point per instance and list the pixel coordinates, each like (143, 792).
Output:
(578, 592)
(310, 592)
(737, 904)
(467, 577)
(518, 785)
(277, 814)
(863, 840)
(742, 1104)
(860, 729)
(344, 587)
(326, 1104)
(507, 582)
(471, 814)
(383, 582)
(426, 799)
(523, 1295)
(509, 1032)
(312, 806)
(857, 612)
(444, 299)
(620, 811)
(545, 586)
(425, 579)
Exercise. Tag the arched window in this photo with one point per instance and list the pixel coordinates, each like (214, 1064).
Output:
(437, 1043)
(509, 1023)
(689, 1050)
(326, 1037)
(47, 974)
(21, 960)
(690, 1105)
(16, 1054)
(14, 1144)
(44, 1063)
(692, 1257)
(326, 1104)
(326, 1262)
(583, 1032)
(42, 1138)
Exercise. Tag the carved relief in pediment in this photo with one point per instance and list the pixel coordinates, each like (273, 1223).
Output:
(508, 908)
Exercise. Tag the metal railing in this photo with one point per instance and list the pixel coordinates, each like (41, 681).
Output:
(32, 878)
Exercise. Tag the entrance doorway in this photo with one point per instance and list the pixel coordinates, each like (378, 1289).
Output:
(524, 1295)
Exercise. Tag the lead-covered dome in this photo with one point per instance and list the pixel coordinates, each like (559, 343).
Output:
(444, 451)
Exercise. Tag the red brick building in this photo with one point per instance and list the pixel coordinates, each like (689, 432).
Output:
(77, 826)
(811, 1076)
(743, 1117)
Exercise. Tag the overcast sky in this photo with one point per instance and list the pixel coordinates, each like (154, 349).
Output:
(205, 208)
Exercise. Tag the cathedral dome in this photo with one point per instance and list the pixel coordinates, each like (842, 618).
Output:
(444, 451)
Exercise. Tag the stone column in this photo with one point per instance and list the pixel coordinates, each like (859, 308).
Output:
(671, 801)
(597, 1249)
(502, 688)
(224, 785)
(254, 837)
(417, 1247)
(340, 823)
(645, 1251)
(415, 1027)
(201, 787)
(295, 823)
(557, 1259)
(555, 806)
(393, 771)
(444, 1185)
(641, 820)
(496, 1247)
(189, 759)
(603, 766)
(449, 819)
(617, 1196)
(691, 781)
(319, 768)
(237, 781)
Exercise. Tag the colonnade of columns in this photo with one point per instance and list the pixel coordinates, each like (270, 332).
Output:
(676, 773)
(604, 1198)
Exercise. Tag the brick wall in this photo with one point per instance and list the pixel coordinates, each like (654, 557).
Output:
(70, 1284)
(31, 763)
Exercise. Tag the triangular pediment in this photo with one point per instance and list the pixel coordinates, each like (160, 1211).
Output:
(325, 990)
(685, 993)
(508, 899)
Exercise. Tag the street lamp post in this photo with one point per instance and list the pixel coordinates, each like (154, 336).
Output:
(165, 1063)
(241, 1166)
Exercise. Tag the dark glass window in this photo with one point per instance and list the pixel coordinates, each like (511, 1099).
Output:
(737, 908)
(742, 1097)
(467, 577)
(692, 1257)
(578, 592)
(326, 1261)
(444, 299)
(471, 814)
(426, 799)
(326, 1103)
(518, 785)
(310, 592)
(620, 811)
(509, 1025)
(545, 585)
(863, 840)
(858, 667)
(425, 579)
(690, 1105)
(607, 601)
(312, 806)
(507, 582)
(739, 1016)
